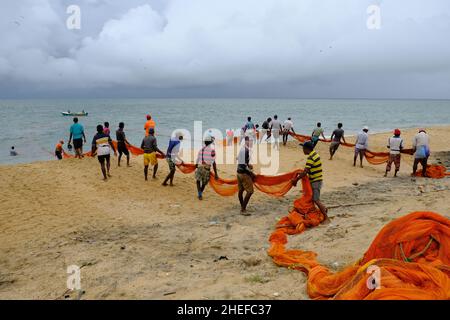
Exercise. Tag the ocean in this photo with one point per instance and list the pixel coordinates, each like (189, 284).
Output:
(35, 126)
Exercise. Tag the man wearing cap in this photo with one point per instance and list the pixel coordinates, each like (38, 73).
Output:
(395, 146)
(172, 156)
(205, 159)
(361, 145)
(313, 170)
(149, 124)
(150, 147)
(421, 147)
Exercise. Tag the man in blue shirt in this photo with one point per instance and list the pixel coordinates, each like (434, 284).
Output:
(77, 133)
(172, 156)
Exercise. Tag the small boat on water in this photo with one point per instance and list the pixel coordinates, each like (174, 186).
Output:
(74, 114)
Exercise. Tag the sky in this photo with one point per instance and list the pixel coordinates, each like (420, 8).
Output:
(225, 49)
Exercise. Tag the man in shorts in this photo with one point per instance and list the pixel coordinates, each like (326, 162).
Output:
(336, 138)
(205, 159)
(172, 157)
(245, 176)
(395, 146)
(122, 144)
(276, 129)
(150, 147)
(421, 146)
(288, 126)
(313, 170)
(317, 132)
(77, 133)
(102, 145)
(361, 145)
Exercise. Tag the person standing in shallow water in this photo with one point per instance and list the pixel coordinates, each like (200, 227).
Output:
(77, 134)
(395, 146)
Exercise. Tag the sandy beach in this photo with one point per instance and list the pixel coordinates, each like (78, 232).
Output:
(137, 240)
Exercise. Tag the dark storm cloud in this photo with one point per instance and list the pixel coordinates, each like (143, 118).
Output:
(283, 48)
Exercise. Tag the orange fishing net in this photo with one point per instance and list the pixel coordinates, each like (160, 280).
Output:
(280, 185)
(409, 258)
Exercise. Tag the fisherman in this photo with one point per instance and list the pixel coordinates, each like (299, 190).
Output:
(150, 147)
(313, 170)
(288, 126)
(172, 157)
(106, 129)
(102, 145)
(150, 123)
(245, 176)
(336, 137)
(317, 132)
(250, 129)
(205, 159)
(122, 143)
(265, 129)
(276, 129)
(361, 145)
(77, 133)
(421, 147)
(59, 150)
(395, 146)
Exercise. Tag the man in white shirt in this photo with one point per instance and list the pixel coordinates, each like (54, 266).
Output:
(276, 128)
(421, 147)
(395, 145)
(361, 145)
(287, 127)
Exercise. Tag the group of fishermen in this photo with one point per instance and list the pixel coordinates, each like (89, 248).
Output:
(102, 145)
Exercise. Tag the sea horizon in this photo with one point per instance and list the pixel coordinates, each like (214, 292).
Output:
(34, 126)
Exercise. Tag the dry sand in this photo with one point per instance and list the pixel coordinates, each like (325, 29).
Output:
(138, 240)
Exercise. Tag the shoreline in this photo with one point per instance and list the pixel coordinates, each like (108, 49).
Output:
(371, 134)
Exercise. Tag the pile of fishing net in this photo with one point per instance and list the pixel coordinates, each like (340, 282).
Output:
(408, 259)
